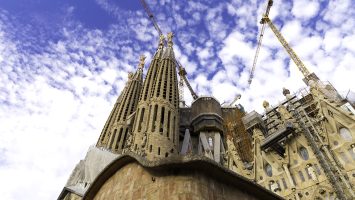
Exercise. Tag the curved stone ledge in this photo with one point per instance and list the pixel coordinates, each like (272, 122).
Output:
(197, 163)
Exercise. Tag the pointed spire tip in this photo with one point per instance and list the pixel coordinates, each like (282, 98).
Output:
(170, 39)
(141, 61)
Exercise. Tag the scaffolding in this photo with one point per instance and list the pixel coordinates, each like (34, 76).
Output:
(307, 120)
(235, 129)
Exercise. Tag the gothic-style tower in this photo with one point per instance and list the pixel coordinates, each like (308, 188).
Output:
(142, 116)
(117, 128)
(156, 126)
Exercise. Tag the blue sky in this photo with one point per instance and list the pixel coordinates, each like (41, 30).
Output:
(64, 62)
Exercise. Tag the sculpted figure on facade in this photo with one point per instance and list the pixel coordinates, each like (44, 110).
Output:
(312, 172)
(353, 148)
(144, 140)
(285, 115)
(274, 186)
(286, 93)
(266, 105)
(129, 141)
(130, 75)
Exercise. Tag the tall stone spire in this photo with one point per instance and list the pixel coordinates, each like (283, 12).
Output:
(156, 127)
(143, 112)
(148, 82)
(115, 135)
(105, 133)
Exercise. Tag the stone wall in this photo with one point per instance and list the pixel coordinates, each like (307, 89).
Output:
(133, 181)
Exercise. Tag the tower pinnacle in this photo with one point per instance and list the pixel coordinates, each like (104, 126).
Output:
(170, 39)
(169, 52)
(141, 62)
(161, 41)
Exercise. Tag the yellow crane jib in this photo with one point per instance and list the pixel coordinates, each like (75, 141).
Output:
(266, 20)
(289, 50)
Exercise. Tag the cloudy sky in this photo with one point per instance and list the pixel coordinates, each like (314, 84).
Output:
(64, 62)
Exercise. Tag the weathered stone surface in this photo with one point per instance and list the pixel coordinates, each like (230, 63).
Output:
(133, 177)
(147, 184)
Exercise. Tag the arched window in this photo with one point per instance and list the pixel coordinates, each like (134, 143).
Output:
(303, 153)
(268, 169)
(345, 134)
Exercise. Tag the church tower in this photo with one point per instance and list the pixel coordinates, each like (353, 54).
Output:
(118, 126)
(156, 126)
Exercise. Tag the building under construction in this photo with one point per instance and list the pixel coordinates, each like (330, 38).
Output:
(153, 146)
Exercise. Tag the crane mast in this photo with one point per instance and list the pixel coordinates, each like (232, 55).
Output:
(181, 93)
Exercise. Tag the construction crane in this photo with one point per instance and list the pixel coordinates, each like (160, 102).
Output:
(183, 78)
(151, 17)
(182, 71)
(266, 20)
(181, 93)
(236, 98)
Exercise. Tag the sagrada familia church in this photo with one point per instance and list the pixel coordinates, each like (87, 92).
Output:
(151, 147)
(154, 147)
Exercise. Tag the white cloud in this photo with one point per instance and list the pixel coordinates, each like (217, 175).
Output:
(305, 9)
(331, 40)
(292, 31)
(349, 43)
(235, 46)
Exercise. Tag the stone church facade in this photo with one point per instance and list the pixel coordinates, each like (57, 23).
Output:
(151, 148)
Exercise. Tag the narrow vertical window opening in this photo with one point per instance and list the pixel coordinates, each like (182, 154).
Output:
(162, 120)
(154, 117)
(119, 138)
(284, 183)
(174, 129)
(113, 138)
(301, 176)
(124, 138)
(141, 120)
(168, 125)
